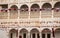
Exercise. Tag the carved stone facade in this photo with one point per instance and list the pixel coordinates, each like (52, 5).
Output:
(29, 18)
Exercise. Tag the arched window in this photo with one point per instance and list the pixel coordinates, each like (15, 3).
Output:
(23, 33)
(24, 11)
(13, 12)
(57, 6)
(46, 32)
(46, 10)
(35, 11)
(14, 8)
(34, 33)
(3, 11)
(57, 9)
(24, 8)
(13, 33)
(46, 6)
(35, 7)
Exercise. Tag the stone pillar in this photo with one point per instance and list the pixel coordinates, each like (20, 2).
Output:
(29, 35)
(51, 35)
(40, 35)
(35, 35)
(8, 12)
(29, 9)
(45, 35)
(18, 33)
(18, 13)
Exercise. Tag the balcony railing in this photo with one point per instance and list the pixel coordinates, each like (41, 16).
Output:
(3, 15)
(24, 14)
(57, 14)
(46, 14)
(14, 14)
(34, 14)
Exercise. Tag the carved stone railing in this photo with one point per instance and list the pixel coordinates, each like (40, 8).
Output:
(34, 14)
(46, 14)
(13, 14)
(29, 23)
(57, 14)
(3, 15)
(24, 14)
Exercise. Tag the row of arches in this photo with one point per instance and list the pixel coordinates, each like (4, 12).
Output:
(35, 11)
(34, 33)
(32, 12)
(37, 7)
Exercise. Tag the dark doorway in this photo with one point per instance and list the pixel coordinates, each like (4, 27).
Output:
(33, 35)
(43, 35)
(24, 35)
(48, 35)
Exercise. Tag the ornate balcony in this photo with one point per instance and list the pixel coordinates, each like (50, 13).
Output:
(24, 12)
(46, 11)
(57, 10)
(35, 13)
(14, 12)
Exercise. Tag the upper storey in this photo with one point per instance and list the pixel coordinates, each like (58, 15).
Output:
(14, 9)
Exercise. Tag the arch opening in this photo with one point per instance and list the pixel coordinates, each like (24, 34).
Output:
(24, 11)
(57, 5)
(46, 33)
(23, 33)
(35, 11)
(3, 11)
(14, 8)
(34, 33)
(46, 30)
(57, 33)
(13, 33)
(24, 8)
(57, 9)
(46, 10)
(46, 6)
(13, 12)
(35, 7)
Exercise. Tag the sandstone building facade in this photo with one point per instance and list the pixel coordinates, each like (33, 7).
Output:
(29, 18)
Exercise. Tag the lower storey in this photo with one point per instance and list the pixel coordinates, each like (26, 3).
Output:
(34, 33)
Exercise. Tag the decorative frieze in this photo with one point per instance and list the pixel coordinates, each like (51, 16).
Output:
(29, 24)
